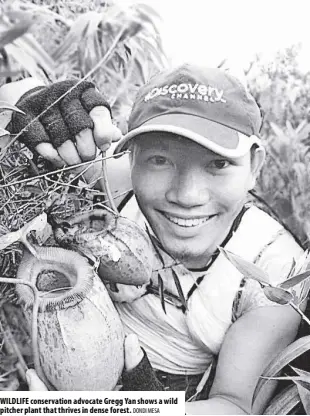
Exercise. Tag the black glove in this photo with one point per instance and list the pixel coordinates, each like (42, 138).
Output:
(83, 111)
(142, 377)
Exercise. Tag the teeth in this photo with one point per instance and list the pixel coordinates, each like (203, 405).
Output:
(187, 223)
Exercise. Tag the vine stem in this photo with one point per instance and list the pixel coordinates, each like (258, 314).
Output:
(104, 184)
(297, 309)
(34, 327)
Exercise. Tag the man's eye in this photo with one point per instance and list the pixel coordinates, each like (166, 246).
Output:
(219, 164)
(158, 160)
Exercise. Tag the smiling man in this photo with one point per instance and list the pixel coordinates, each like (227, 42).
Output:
(195, 152)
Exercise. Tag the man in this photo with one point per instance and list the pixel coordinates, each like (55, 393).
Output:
(195, 154)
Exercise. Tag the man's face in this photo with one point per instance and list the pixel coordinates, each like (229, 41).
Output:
(189, 195)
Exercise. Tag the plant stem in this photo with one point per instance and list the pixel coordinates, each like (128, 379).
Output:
(104, 183)
(44, 175)
(297, 309)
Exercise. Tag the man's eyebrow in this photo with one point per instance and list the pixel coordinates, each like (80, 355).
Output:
(155, 146)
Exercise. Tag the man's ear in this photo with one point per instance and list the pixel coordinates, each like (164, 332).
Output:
(257, 160)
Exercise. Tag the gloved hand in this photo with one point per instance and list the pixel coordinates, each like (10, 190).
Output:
(137, 375)
(70, 131)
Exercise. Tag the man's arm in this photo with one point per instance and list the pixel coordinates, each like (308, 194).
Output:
(250, 344)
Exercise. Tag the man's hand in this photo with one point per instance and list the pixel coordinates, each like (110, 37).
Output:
(138, 374)
(70, 131)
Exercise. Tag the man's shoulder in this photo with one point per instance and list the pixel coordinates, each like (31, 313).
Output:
(277, 256)
(266, 242)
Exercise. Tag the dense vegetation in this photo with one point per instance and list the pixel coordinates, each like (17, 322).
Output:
(119, 48)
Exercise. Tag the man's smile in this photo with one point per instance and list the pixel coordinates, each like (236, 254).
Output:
(186, 221)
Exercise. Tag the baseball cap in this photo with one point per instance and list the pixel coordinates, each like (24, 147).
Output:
(206, 105)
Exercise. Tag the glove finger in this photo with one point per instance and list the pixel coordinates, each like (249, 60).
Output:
(86, 145)
(91, 98)
(104, 130)
(55, 126)
(75, 116)
(35, 133)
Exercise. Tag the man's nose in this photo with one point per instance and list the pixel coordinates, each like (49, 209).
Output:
(188, 188)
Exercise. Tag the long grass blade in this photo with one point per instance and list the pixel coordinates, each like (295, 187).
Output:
(303, 387)
(11, 34)
(72, 38)
(278, 295)
(304, 394)
(6, 106)
(161, 292)
(179, 289)
(248, 269)
(284, 358)
(284, 402)
(302, 373)
(154, 243)
(28, 44)
(293, 281)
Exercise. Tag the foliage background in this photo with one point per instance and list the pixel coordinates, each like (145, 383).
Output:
(282, 91)
(56, 39)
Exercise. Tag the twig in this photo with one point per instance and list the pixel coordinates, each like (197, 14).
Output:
(297, 309)
(104, 183)
(44, 175)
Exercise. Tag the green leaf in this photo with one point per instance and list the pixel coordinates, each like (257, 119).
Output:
(277, 130)
(30, 46)
(278, 295)
(291, 352)
(19, 29)
(303, 387)
(26, 61)
(7, 106)
(73, 37)
(179, 289)
(245, 267)
(161, 292)
(292, 270)
(3, 132)
(305, 376)
(293, 281)
(303, 373)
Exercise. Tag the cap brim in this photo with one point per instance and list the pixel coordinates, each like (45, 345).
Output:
(214, 136)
